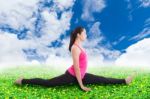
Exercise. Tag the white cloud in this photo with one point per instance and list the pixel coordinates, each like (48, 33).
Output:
(136, 55)
(13, 55)
(64, 4)
(90, 7)
(130, 8)
(18, 13)
(96, 56)
(11, 50)
(54, 27)
(118, 41)
(95, 35)
(147, 22)
(144, 33)
(8, 44)
(145, 3)
(62, 61)
(97, 53)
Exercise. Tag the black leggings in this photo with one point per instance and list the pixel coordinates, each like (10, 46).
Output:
(67, 78)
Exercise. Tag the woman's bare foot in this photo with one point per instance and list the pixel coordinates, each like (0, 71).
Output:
(130, 78)
(19, 81)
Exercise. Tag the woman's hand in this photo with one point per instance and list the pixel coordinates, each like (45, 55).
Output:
(85, 88)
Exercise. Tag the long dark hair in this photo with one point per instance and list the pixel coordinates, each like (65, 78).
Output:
(73, 36)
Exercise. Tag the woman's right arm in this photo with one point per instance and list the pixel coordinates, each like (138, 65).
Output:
(75, 55)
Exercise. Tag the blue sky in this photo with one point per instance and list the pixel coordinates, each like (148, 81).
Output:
(40, 29)
(116, 22)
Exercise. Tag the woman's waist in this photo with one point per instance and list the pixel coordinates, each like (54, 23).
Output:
(81, 68)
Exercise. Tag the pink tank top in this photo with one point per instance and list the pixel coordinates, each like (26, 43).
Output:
(82, 64)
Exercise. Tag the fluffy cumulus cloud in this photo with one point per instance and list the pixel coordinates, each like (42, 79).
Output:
(136, 55)
(98, 53)
(40, 24)
(11, 51)
(28, 29)
(95, 35)
(54, 27)
(90, 7)
(64, 4)
(16, 12)
(44, 24)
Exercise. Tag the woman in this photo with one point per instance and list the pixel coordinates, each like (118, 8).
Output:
(77, 72)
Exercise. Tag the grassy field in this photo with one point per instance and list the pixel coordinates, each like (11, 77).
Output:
(138, 89)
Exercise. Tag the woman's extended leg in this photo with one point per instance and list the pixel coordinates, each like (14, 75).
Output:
(63, 79)
(96, 79)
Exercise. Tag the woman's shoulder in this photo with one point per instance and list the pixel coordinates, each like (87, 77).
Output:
(75, 49)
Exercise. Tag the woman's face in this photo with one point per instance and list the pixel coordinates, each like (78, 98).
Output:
(83, 35)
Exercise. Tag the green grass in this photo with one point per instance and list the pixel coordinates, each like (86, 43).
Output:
(138, 89)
